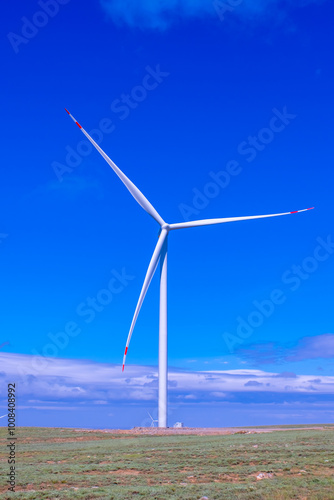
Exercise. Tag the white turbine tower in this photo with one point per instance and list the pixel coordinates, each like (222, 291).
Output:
(160, 253)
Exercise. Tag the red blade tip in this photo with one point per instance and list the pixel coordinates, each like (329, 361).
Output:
(310, 208)
(123, 368)
(67, 111)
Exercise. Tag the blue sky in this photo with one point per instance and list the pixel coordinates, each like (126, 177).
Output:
(213, 109)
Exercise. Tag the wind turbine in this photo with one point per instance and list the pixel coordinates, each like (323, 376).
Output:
(153, 420)
(160, 253)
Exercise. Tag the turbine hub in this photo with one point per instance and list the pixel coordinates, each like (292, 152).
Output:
(165, 226)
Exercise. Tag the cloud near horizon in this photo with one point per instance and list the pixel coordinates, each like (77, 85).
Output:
(72, 380)
(162, 14)
(81, 393)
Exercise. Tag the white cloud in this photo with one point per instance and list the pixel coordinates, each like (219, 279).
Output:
(73, 186)
(320, 346)
(315, 347)
(219, 395)
(161, 14)
(76, 381)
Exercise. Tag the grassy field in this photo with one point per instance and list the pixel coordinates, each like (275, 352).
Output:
(64, 463)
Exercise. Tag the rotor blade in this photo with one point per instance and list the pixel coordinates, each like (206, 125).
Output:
(209, 222)
(138, 195)
(148, 278)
